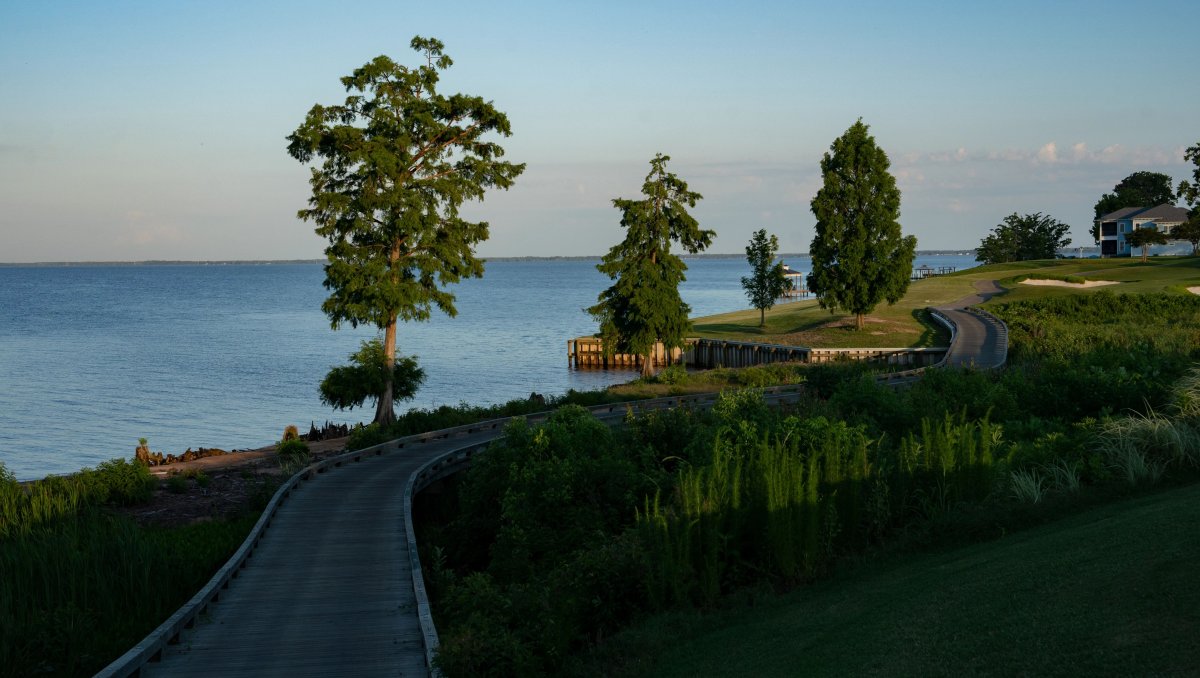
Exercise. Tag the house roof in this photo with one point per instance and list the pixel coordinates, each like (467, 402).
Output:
(1121, 213)
(1163, 212)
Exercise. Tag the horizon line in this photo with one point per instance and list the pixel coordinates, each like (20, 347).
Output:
(562, 257)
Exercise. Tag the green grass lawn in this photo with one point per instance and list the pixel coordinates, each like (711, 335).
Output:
(804, 323)
(1112, 591)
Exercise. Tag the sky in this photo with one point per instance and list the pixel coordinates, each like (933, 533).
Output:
(156, 130)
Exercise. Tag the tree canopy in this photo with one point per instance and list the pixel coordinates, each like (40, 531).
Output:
(766, 281)
(396, 161)
(1189, 191)
(643, 305)
(1144, 238)
(368, 376)
(1140, 189)
(859, 255)
(1020, 238)
(1189, 231)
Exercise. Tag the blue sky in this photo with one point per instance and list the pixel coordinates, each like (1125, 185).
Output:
(155, 130)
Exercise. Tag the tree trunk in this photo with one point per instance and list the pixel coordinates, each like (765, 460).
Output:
(859, 323)
(1145, 253)
(762, 317)
(385, 412)
(648, 363)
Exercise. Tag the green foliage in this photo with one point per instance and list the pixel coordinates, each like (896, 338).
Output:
(291, 448)
(1190, 191)
(643, 304)
(349, 386)
(24, 507)
(1021, 238)
(1189, 231)
(1144, 238)
(76, 593)
(293, 455)
(1140, 189)
(859, 255)
(766, 281)
(397, 161)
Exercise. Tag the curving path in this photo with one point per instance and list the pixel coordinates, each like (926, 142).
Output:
(980, 339)
(330, 590)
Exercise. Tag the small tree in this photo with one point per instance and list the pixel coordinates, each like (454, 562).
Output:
(643, 306)
(1189, 231)
(398, 160)
(369, 374)
(859, 255)
(766, 282)
(1144, 238)
(1140, 189)
(1021, 238)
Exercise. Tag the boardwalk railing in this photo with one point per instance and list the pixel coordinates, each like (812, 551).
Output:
(150, 648)
(439, 466)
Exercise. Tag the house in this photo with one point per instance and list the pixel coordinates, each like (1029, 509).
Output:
(1116, 225)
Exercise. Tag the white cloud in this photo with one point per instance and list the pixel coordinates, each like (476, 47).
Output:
(1048, 153)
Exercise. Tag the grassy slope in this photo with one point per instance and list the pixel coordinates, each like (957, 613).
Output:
(1108, 592)
(804, 322)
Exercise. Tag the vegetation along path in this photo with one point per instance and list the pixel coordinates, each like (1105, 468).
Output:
(330, 590)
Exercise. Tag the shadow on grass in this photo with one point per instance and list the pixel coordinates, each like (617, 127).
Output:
(933, 333)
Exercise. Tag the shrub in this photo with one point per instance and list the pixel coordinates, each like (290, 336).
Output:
(293, 448)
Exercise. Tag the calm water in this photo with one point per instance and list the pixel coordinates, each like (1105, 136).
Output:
(94, 357)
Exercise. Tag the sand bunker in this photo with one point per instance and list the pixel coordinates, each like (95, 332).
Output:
(1194, 290)
(1064, 283)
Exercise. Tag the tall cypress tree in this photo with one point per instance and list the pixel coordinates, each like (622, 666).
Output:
(643, 305)
(859, 256)
(398, 160)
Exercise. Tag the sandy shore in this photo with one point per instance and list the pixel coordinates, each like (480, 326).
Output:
(1194, 290)
(1064, 283)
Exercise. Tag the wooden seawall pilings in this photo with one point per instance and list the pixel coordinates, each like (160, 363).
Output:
(589, 352)
(709, 353)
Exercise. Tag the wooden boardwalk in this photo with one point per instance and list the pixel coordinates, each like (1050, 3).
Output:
(329, 590)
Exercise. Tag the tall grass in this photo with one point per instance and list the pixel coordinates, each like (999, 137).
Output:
(23, 507)
(77, 592)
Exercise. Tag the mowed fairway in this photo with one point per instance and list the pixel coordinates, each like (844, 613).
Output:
(804, 323)
(1110, 592)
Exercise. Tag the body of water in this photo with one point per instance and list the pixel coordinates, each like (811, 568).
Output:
(93, 357)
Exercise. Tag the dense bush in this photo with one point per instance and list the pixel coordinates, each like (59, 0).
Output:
(569, 531)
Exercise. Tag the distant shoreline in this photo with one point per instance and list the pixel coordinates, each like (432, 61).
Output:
(268, 262)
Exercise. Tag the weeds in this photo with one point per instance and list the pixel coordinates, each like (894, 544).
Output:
(1027, 486)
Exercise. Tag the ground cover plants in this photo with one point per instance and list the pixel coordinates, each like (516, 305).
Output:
(685, 510)
(80, 582)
